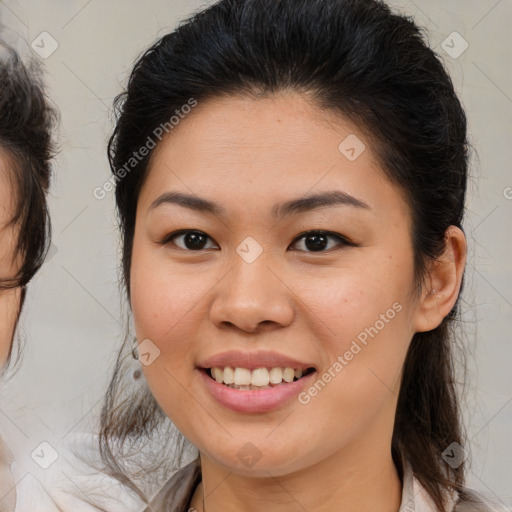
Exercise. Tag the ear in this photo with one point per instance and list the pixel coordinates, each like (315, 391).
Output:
(443, 282)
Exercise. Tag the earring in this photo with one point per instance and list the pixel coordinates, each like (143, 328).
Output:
(137, 373)
(135, 351)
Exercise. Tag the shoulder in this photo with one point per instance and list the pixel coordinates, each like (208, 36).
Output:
(177, 493)
(31, 495)
(75, 481)
(471, 501)
(417, 499)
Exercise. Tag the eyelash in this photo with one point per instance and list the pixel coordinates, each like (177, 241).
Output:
(343, 240)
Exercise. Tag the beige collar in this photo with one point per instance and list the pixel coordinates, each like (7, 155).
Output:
(7, 488)
(414, 496)
(178, 491)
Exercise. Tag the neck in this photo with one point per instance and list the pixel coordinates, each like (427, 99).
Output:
(355, 479)
(7, 487)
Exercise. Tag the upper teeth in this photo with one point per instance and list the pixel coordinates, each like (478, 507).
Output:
(256, 377)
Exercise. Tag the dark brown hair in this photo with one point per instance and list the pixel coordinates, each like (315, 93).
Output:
(360, 60)
(26, 122)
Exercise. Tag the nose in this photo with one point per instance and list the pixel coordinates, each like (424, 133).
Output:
(253, 297)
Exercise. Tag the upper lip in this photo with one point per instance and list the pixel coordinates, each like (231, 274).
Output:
(252, 360)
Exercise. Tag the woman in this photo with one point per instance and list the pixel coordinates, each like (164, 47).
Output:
(290, 180)
(26, 120)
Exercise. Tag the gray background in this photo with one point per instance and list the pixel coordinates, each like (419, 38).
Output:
(72, 323)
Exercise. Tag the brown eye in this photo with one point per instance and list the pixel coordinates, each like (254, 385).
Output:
(191, 240)
(318, 241)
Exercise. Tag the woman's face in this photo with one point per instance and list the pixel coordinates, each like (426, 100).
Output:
(9, 299)
(250, 291)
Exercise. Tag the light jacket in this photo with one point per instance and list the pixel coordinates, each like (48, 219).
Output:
(176, 495)
(71, 485)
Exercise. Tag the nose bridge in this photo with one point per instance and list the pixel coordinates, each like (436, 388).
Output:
(250, 269)
(252, 293)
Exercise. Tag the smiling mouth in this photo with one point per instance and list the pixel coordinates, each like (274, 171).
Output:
(258, 378)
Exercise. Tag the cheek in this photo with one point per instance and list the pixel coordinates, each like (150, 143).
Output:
(9, 307)
(368, 314)
(163, 313)
(168, 306)
(9, 299)
(351, 299)
(163, 302)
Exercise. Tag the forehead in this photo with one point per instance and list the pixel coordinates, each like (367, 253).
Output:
(244, 150)
(273, 128)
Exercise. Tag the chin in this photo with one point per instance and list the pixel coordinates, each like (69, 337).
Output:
(255, 459)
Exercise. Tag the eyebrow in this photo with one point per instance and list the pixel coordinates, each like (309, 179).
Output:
(281, 210)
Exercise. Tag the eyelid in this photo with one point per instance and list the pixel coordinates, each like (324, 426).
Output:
(167, 238)
(344, 241)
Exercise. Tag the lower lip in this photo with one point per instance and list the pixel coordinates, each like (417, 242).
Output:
(254, 401)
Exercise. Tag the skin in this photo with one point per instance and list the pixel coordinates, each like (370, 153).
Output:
(9, 299)
(249, 154)
(9, 307)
